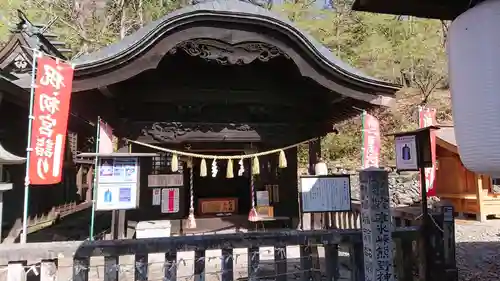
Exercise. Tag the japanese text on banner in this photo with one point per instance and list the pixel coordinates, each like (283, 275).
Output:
(50, 112)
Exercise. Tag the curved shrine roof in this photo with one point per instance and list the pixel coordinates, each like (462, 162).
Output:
(232, 10)
(7, 158)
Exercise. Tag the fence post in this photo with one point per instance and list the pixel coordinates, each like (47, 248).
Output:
(16, 271)
(376, 225)
(451, 272)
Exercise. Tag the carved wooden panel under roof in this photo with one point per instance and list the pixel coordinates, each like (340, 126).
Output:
(204, 90)
(184, 132)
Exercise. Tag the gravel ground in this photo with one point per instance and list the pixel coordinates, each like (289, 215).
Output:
(478, 250)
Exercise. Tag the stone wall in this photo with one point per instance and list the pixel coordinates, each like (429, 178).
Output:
(404, 188)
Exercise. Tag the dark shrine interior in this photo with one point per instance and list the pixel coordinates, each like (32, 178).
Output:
(190, 89)
(222, 187)
(208, 91)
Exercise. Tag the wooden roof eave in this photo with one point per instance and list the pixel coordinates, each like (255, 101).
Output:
(13, 93)
(446, 145)
(232, 12)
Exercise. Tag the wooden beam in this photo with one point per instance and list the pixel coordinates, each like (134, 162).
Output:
(446, 145)
(481, 214)
(240, 96)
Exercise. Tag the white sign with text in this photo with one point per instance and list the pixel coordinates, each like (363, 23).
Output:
(406, 153)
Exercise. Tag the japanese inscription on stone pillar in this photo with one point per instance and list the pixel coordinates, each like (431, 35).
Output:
(376, 225)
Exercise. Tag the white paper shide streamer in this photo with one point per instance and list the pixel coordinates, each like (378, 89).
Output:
(215, 169)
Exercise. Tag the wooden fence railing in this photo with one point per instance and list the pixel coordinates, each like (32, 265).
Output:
(279, 255)
(401, 217)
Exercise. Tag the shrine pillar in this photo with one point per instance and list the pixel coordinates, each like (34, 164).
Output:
(311, 220)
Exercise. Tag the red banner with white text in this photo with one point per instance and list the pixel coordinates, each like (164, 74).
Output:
(371, 139)
(50, 111)
(426, 118)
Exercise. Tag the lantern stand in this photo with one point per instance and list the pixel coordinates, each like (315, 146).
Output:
(413, 153)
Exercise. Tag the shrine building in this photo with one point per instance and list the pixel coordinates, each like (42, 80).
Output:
(216, 78)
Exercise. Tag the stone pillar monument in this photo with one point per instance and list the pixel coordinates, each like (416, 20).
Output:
(376, 225)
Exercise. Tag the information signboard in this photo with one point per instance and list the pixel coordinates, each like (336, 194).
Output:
(331, 193)
(406, 153)
(117, 183)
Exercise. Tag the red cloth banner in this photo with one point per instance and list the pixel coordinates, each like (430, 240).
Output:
(371, 138)
(426, 118)
(50, 111)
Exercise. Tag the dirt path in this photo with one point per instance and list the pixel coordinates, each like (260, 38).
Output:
(478, 250)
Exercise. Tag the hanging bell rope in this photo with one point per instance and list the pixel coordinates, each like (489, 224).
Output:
(253, 216)
(191, 221)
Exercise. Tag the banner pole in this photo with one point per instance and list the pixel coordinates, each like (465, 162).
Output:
(363, 139)
(94, 182)
(24, 233)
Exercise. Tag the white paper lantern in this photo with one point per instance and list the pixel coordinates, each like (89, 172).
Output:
(474, 69)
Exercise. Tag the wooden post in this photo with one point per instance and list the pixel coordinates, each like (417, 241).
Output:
(314, 154)
(90, 184)
(310, 221)
(118, 222)
(451, 271)
(481, 215)
(376, 225)
(1, 214)
(122, 224)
